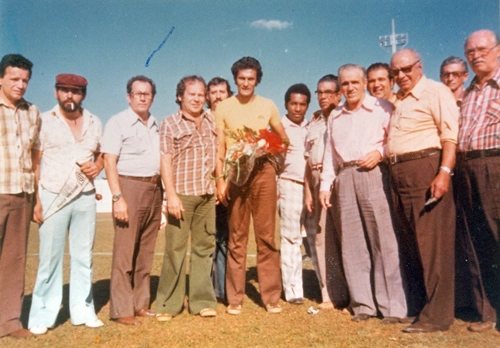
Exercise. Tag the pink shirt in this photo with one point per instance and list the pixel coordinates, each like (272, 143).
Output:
(353, 134)
(295, 162)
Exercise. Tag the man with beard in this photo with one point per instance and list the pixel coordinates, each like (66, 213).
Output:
(69, 138)
(19, 124)
(218, 89)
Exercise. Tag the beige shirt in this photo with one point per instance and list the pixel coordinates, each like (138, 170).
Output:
(424, 118)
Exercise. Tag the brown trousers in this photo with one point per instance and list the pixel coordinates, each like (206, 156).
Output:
(133, 248)
(15, 216)
(257, 198)
(477, 188)
(427, 241)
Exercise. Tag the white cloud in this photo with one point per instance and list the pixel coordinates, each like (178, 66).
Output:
(271, 24)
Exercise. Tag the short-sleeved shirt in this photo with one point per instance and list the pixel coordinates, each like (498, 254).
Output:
(19, 129)
(193, 151)
(480, 116)
(315, 141)
(61, 150)
(295, 163)
(259, 113)
(424, 118)
(136, 144)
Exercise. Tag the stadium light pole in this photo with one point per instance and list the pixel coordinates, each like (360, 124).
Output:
(394, 40)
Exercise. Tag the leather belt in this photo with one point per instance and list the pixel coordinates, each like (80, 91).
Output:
(410, 156)
(155, 179)
(294, 181)
(464, 156)
(349, 164)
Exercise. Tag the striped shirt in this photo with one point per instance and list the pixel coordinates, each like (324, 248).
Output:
(18, 132)
(193, 152)
(480, 116)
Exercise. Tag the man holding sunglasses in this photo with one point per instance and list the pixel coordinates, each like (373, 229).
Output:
(421, 150)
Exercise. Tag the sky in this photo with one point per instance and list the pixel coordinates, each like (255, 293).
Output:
(110, 41)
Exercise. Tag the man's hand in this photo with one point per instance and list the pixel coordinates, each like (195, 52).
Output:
(440, 185)
(120, 210)
(90, 169)
(308, 201)
(222, 193)
(174, 206)
(370, 160)
(324, 198)
(38, 212)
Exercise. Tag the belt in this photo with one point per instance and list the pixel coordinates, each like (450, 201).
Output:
(464, 156)
(317, 166)
(294, 181)
(410, 156)
(155, 179)
(349, 164)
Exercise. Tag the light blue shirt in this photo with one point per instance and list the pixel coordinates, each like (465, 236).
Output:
(136, 144)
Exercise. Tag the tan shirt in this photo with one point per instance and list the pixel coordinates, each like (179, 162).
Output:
(424, 118)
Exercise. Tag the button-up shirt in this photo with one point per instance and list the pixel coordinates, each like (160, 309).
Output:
(19, 129)
(295, 163)
(193, 151)
(315, 141)
(480, 116)
(137, 144)
(425, 117)
(61, 150)
(353, 134)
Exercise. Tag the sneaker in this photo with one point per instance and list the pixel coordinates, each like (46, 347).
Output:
(208, 312)
(94, 323)
(233, 309)
(39, 330)
(163, 317)
(274, 309)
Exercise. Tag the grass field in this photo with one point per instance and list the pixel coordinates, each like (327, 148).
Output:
(253, 328)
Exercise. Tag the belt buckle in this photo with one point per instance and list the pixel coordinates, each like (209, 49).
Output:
(393, 159)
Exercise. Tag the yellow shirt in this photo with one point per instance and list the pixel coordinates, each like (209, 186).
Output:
(259, 113)
(424, 118)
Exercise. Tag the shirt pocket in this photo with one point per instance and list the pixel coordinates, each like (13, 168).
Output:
(493, 112)
(134, 145)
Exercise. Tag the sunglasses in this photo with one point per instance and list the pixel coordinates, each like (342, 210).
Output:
(405, 70)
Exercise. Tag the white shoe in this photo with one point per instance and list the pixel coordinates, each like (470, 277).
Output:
(39, 330)
(94, 323)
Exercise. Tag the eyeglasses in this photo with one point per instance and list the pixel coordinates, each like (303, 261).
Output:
(455, 74)
(405, 70)
(481, 51)
(140, 95)
(327, 93)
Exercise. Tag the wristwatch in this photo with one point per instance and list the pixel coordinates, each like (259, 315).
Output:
(117, 197)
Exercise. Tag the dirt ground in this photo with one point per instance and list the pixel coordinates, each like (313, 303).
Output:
(253, 328)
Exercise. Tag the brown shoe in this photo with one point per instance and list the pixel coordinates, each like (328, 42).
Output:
(128, 321)
(145, 313)
(21, 334)
(482, 326)
(420, 327)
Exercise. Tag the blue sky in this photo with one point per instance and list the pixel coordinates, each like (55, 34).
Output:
(296, 41)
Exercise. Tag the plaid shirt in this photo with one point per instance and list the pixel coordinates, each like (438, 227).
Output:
(480, 116)
(18, 132)
(193, 152)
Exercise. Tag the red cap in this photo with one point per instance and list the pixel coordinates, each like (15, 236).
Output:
(71, 81)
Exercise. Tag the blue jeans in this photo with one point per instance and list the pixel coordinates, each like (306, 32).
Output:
(80, 217)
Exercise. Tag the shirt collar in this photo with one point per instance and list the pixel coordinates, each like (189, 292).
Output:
(286, 122)
(133, 118)
(368, 103)
(417, 91)
(179, 116)
(493, 81)
(21, 104)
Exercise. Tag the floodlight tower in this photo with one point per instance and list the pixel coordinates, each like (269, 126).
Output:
(394, 40)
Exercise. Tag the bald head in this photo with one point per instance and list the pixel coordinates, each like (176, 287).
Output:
(482, 53)
(406, 67)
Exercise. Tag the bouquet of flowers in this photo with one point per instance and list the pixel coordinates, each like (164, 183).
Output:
(250, 145)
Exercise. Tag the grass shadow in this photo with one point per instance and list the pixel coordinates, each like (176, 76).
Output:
(250, 286)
